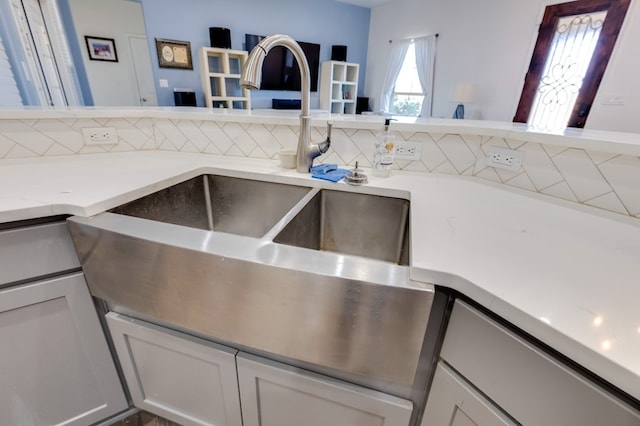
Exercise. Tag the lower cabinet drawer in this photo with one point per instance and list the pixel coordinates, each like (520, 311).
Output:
(179, 377)
(528, 384)
(35, 251)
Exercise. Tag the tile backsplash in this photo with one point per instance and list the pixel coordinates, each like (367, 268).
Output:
(599, 179)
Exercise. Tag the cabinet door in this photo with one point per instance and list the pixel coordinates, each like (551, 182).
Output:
(55, 365)
(275, 394)
(453, 402)
(182, 378)
(524, 381)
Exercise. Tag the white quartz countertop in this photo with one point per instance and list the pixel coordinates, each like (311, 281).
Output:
(568, 275)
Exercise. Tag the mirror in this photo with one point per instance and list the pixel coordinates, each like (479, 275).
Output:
(489, 45)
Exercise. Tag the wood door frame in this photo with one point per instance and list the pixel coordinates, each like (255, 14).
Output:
(616, 12)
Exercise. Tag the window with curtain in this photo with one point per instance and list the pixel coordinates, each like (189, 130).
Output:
(408, 85)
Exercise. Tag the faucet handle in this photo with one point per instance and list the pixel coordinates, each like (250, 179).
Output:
(329, 126)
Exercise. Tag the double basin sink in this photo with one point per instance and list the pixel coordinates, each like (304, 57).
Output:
(315, 275)
(342, 222)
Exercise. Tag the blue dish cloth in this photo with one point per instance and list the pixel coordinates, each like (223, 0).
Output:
(323, 168)
(334, 175)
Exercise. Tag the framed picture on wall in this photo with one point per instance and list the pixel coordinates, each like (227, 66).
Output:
(174, 54)
(101, 49)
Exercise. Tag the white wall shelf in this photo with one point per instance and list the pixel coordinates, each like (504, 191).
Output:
(220, 71)
(339, 87)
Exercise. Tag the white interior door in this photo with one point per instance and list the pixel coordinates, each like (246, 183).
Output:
(141, 60)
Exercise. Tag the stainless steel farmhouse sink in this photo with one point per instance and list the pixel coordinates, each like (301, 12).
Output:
(317, 276)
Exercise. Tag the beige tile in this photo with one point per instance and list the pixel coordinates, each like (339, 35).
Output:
(26, 136)
(457, 151)
(265, 140)
(489, 173)
(539, 167)
(212, 149)
(560, 190)
(217, 136)
(623, 173)
(521, 181)
(57, 149)
(234, 151)
(364, 140)
(609, 202)
(18, 151)
(240, 138)
(195, 136)
(514, 143)
(554, 150)
(600, 157)
(345, 148)
(285, 136)
(432, 157)
(258, 153)
(581, 174)
(415, 166)
(5, 146)
(170, 134)
(446, 168)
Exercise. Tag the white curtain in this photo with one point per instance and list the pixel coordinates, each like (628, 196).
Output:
(425, 62)
(398, 52)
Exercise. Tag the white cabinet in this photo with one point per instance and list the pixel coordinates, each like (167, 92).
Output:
(55, 364)
(220, 71)
(339, 87)
(275, 394)
(179, 377)
(454, 402)
(196, 382)
(525, 382)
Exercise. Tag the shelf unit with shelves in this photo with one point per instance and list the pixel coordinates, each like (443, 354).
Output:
(220, 70)
(339, 87)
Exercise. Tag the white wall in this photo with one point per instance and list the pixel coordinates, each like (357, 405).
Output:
(489, 43)
(112, 84)
(621, 80)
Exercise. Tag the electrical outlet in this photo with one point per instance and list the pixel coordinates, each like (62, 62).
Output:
(503, 158)
(408, 150)
(100, 135)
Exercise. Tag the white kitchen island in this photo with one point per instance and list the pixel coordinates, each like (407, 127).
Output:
(565, 273)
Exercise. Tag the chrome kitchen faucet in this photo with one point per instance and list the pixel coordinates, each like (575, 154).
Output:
(252, 77)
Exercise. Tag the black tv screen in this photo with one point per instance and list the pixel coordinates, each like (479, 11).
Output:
(280, 69)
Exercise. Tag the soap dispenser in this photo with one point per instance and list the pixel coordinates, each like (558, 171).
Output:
(384, 151)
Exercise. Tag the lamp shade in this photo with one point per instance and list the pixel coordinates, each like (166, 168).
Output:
(463, 92)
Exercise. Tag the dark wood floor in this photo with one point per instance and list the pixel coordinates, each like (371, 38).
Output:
(143, 418)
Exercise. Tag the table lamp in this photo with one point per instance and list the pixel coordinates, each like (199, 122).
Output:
(462, 92)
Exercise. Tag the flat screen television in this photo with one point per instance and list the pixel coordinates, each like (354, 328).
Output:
(280, 69)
